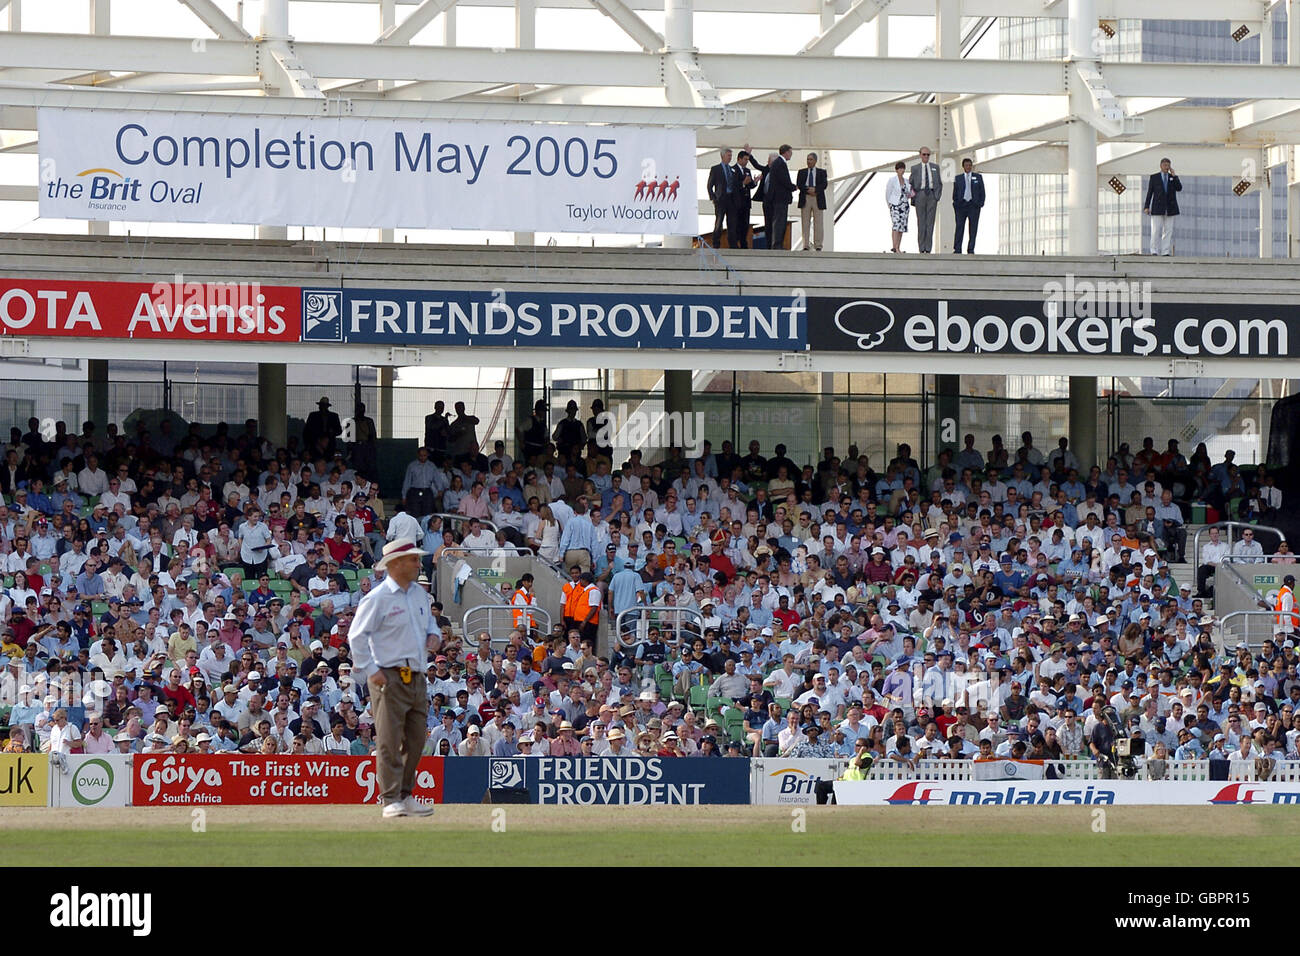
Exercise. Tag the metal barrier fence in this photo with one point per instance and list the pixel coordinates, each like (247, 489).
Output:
(1253, 627)
(455, 520)
(498, 620)
(632, 627)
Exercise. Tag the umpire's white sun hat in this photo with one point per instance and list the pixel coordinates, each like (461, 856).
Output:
(398, 549)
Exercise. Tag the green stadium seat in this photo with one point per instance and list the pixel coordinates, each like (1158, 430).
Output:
(44, 569)
(98, 607)
(249, 586)
(784, 703)
(735, 721)
(699, 697)
(665, 685)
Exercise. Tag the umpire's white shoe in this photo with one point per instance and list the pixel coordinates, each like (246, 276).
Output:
(395, 809)
(418, 808)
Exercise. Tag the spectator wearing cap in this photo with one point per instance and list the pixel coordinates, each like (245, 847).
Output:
(473, 744)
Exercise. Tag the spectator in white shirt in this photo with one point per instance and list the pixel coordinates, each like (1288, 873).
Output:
(62, 734)
(1211, 555)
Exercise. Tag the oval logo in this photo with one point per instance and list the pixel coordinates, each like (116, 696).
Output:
(92, 782)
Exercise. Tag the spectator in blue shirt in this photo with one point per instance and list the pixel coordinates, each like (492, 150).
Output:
(1006, 580)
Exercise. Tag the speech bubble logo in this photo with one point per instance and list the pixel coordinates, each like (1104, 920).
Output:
(866, 321)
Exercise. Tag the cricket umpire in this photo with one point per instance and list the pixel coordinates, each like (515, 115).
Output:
(388, 639)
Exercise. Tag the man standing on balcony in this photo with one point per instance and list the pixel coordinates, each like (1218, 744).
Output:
(1161, 204)
(928, 190)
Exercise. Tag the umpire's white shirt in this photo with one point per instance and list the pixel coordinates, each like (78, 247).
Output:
(391, 628)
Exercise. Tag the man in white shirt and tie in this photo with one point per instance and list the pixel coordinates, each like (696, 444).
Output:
(722, 190)
(967, 201)
(928, 188)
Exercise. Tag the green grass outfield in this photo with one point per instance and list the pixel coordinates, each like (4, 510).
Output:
(649, 836)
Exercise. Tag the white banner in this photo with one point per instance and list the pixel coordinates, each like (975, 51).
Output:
(92, 780)
(998, 768)
(1065, 792)
(791, 782)
(366, 173)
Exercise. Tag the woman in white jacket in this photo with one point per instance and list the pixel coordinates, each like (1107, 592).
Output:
(898, 195)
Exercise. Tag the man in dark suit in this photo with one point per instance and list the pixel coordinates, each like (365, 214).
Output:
(722, 190)
(1161, 204)
(760, 194)
(812, 201)
(11, 473)
(324, 426)
(967, 201)
(778, 191)
(927, 187)
(749, 176)
(435, 432)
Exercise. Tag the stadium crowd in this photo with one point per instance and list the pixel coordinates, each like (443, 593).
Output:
(175, 593)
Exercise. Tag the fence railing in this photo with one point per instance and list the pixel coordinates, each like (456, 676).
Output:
(1237, 626)
(632, 626)
(1229, 526)
(498, 620)
(455, 520)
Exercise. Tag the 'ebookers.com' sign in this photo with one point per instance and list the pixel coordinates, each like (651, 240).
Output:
(191, 167)
(1052, 327)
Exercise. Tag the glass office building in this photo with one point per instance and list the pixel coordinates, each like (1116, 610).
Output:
(1213, 221)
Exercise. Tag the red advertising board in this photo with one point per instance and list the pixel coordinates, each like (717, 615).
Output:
(185, 779)
(189, 311)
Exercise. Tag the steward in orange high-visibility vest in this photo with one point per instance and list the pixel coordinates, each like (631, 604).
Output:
(574, 592)
(1288, 616)
(523, 598)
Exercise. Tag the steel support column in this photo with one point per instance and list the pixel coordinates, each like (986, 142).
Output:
(1083, 420)
(947, 413)
(96, 395)
(947, 45)
(523, 396)
(677, 400)
(679, 34)
(272, 402)
(1081, 190)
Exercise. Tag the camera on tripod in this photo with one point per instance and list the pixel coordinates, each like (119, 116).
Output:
(1127, 750)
